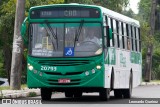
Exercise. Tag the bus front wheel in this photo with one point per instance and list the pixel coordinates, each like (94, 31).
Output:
(104, 94)
(68, 94)
(78, 94)
(46, 93)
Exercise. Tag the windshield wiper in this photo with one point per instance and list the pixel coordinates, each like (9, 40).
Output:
(53, 34)
(78, 32)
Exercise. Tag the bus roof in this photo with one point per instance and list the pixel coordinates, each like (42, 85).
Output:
(121, 17)
(108, 12)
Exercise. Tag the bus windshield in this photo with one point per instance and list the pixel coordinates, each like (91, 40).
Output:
(65, 39)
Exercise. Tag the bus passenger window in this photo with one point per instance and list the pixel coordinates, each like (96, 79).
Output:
(136, 42)
(139, 37)
(115, 33)
(112, 31)
(117, 27)
(128, 44)
(123, 40)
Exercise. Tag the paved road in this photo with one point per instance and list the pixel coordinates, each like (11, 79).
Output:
(93, 98)
(141, 93)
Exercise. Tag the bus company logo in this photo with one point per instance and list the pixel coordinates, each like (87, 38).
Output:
(6, 101)
(15, 101)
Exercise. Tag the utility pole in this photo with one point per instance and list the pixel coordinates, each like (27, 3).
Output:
(148, 63)
(17, 52)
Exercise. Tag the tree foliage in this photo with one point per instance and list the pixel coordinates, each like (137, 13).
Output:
(144, 18)
(115, 5)
(79, 1)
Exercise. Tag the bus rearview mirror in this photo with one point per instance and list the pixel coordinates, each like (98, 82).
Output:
(108, 35)
(23, 30)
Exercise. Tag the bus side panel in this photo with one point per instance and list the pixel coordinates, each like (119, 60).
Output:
(107, 81)
(122, 68)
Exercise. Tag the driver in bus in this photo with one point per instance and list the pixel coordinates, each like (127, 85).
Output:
(92, 36)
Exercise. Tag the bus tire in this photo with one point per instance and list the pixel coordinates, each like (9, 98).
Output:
(118, 93)
(127, 93)
(68, 94)
(46, 94)
(104, 94)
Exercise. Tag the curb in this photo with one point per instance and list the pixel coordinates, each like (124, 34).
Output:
(19, 93)
(149, 83)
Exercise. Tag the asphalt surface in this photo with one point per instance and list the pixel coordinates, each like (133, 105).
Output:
(143, 94)
(140, 93)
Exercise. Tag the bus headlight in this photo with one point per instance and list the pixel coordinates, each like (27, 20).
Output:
(35, 71)
(98, 67)
(30, 67)
(99, 51)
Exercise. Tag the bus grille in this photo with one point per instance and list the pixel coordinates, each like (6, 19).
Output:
(67, 73)
(63, 62)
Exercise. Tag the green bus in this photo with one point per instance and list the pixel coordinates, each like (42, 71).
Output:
(77, 48)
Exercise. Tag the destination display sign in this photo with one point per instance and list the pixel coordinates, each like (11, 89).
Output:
(67, 12)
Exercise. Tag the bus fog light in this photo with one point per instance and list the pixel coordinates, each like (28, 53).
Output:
(98, 67)
(30, 67)
(86, 73)
(35, 71)
(40, 74)
(93, 71)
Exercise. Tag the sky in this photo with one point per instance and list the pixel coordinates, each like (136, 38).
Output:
(134, 5)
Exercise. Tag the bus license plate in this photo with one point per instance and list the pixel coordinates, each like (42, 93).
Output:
(64, 81)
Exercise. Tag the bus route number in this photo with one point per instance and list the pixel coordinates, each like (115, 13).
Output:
(48, 68)
(70, 13)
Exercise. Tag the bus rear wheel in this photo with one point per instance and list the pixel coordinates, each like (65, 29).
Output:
(118, 93)
(46, 93)
(104, 94)
(127, 93)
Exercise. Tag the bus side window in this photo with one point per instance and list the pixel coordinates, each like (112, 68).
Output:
(122, 45)
(128, 38)
(125, 35)
(111, 22)
(117, 33)
(139, 37)
(136, 41)
(108, 23)
(133, 38)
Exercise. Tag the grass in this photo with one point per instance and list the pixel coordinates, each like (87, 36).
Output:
(155, 81)
(32, 94)
(4, 88)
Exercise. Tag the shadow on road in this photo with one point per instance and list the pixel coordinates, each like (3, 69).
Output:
(86, 100)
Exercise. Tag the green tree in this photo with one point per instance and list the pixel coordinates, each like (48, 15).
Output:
(115, 5)
(145, 9)
(128, 13)
(144, 17)
(79, 1)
